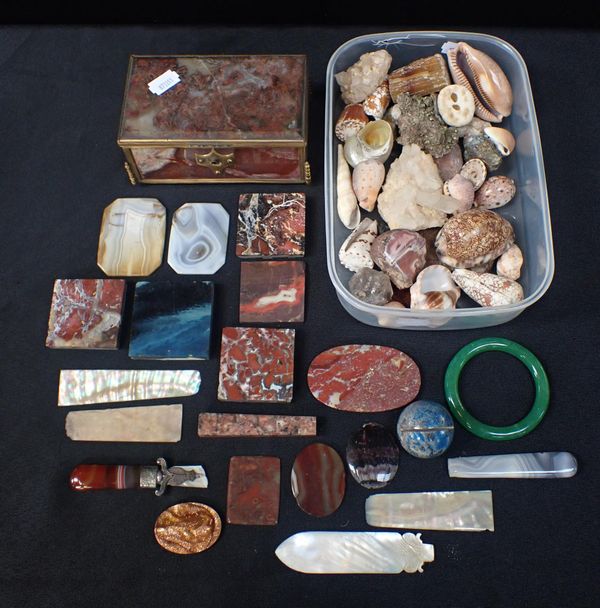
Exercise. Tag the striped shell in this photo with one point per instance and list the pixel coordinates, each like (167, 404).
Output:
(485, 79)
(355, 252)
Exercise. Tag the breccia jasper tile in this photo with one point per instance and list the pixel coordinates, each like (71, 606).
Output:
(272, 292)
(255, 425)
(257, 364)
(271, 225)
(171, 321)
(86, 313)
(198, 239)
(132, 237)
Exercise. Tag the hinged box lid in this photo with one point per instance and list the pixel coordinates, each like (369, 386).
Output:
(225, 99)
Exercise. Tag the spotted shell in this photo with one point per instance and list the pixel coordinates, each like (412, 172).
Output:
(495, 192)
(472, 238)
(355, 252)
(488, 289)
(485, 79)
(351, 121)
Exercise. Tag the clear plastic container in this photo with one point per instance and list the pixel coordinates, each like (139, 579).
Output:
(528, 212)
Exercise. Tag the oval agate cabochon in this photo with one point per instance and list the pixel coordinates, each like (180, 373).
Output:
(318, 480)
(364, 378)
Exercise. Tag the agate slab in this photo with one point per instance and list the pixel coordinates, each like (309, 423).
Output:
(272, 292)
(187, 528)
(355, 552)
(198, 239)
(253, 490)
(271, 225)
(84, 386)
(86, 313)
(132, 237)
(364, 378)
(257, 364)
(461, 511)
(153, 424)
(318, 480)
(255, 425)
(372, 455)
(536, 465)
(171, 320)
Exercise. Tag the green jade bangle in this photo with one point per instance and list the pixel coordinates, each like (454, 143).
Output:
(486, 431)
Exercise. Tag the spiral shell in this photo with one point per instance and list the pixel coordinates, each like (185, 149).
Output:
(355, 252)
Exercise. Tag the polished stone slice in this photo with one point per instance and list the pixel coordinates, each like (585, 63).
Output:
(132, 237)
(272, 292)
(355, 552)
(318, 480)
(198, 240)
(271, 225)
(536, 465)
(187, 528)
(84, 386)
(86, 313)
(460, 511)
(425, 429)
(253, 490)
(257, 364)
(152, 424)
(171, 320)
(255, 425)
(364, 378)
(372, 455)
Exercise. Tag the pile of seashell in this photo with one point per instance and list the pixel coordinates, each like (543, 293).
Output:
(439, 233)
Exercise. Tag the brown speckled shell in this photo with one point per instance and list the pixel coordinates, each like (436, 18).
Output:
(473, 237)
(496, 192)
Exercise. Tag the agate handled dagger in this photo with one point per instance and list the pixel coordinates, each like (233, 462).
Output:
(124, 477)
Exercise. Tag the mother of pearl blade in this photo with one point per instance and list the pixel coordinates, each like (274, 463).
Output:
(355, 552)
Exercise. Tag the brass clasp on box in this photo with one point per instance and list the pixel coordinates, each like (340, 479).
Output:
(215, 161)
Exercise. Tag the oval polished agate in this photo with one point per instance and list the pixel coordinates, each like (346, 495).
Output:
(318, 480)
(372, 455)
(364, 378)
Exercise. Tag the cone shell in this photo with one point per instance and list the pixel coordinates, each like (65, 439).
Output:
(510, 263)
(355, 252)
(485, 79)
(378, 101)
(367, 179)
(488, 289)
(434, 289)
(421, 77)
(347, 207)
(472, 238)
(351, 121)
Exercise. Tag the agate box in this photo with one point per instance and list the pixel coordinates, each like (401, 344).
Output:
(229, 118)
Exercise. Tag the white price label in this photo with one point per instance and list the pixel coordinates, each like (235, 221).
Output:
(164, 82)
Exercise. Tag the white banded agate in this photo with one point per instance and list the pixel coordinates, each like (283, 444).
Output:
(355, 552)
(461, 511)
(536, 465)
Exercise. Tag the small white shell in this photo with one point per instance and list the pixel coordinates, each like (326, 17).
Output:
(488, 289)
(374, 141)
(355, 253)
(347, 207)
(367, 179)
(502, 139)
(434, 289)
(509, 263)
(475, 171)
(456, 105)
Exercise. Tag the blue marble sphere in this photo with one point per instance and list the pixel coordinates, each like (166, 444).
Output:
(425, 429)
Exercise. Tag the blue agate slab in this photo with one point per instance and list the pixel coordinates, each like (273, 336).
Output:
(171, 320)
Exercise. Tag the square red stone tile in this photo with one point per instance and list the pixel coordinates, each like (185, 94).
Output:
(272, 292)
(257, 364)
(253, 490)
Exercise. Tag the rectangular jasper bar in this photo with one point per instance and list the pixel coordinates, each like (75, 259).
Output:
(255, 425)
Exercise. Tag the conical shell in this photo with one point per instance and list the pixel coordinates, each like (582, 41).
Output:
(367, 179)
(347, 207)
(355, 252)
(488, 289)
(378, 101)
(485, 79)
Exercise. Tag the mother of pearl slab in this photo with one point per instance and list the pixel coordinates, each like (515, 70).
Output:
(132, 237)
(198, 241)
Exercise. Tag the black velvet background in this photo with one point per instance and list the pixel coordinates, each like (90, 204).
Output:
(60, 100)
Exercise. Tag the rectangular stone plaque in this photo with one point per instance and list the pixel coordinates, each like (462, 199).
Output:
(255, 425)
(253, 490)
